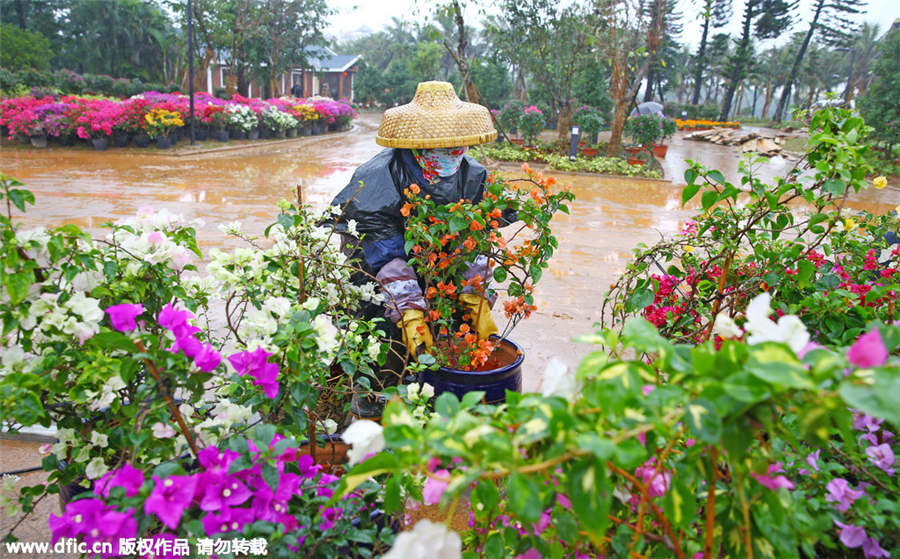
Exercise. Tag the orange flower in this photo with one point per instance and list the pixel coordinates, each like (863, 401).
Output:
(475, 226)
(404, 211)
(494, 224)
(430, 293)
(471, 339)
(420, 329)
(416, 249)
(496, 213)
(434, 315)
(469, 243)
(464, 328)
(415, 188)
(526, 168)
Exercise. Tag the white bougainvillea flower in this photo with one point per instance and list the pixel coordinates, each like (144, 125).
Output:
(726, 327)
(789, 329)
(559, 380)
(427, 539)
(96, 468)
(162, 430)
(365, 438)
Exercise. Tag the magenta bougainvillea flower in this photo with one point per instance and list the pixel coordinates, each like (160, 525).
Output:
(775, 482)
(851, 535)
(170, 497)
(254, 363)
(122, 316)
(127, 476)
(330, 515)
(868, 350)
(840, 492)
(882, 456)
(434, 488)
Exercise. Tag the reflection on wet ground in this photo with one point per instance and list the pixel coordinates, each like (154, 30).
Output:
(609, 217)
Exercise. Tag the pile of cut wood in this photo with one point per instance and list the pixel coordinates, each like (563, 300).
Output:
(764, 144)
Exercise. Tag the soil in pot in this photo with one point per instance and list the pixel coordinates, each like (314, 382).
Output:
(633, 150)
(502, 372)
(100, 144)
(38, 140)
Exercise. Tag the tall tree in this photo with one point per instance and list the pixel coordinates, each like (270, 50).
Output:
(619, 38)
(831, 20)
(287, 27)
(865, 47)
(662, 65)
(764, 19)
(715, 13)
(551, 42)
(879, 106)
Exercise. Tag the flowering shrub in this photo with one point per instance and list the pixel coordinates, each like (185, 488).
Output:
(589, 120)
(531, 123)
(697, 451)
(447, 240)
(256, 489)
(111, 340)
(508, 117)
(161, 122)
(277, 120)
(241, 117)
(646, 130)
(598, 164)
(304, 113)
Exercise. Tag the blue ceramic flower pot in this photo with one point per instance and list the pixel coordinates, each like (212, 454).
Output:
(494, 383)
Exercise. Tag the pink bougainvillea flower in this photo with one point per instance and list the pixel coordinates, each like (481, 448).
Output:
(812, 459)
(78, 518)
(434, 488)
(324, 482)
(851, 536)
(175, 320)
(308, 469)
(776, 482)
(122, 316)
(563, 501)
(170, 497)
(542, 524)
(868, 350)
(127, 476)
(208, 358)
(865, 422)
(530, 554)
(227, 520)
(330, 515)
(657, 482)
(222, 491)
(839, 492)
(882, 456)
(872, 550)
(254, 363)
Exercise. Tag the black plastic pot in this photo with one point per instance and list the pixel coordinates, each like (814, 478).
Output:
(121, 140)
(201, 133)
(141, 140)
(494, 383)
(265, 132)
(306, 130)
(38, 140)
(163, 142)
(291, 132)
(220, 135)
(281, 133)
(237, 134)
(100, 144)
(66, 140)
(318, 128)
(253, 134)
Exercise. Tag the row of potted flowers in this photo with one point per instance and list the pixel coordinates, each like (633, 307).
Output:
(694, 124)
(165, 117)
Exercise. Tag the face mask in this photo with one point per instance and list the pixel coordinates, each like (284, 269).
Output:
(439, 162)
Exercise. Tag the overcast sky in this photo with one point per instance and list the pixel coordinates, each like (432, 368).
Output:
(376, 14)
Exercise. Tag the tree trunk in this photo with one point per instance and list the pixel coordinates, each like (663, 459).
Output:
(564, 124)
(740, 61)
(767, 98)
(701, 54)
(659, 88)
(648, 92)
(740, 100)
(618, 125)
(796, 67)
(755, 95)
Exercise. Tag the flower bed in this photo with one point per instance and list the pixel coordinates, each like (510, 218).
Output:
(557, 158)
(692, 124)
(91, 117)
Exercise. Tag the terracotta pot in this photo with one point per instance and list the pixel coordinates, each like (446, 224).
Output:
(635, 161)
(517, 141)
(659, 150)
(589, 152)
(331, 457)
(633, 150)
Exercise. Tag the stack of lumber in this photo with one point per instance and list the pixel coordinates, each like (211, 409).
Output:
(764, 144)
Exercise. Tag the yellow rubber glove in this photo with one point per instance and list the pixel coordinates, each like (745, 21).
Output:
(415, 332)
(480, 311)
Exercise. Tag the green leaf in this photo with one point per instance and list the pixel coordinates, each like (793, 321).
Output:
(629, 454)
(457, 224)
(263, 435)
(641, 334)
(20, 197)
(876, 396)
(806, 270)
(17, 285)
(708, 199)
(524, 497)
(640, 299)
(381, 463)
(746, 388)
(703, 421)
(500, 274)
(484, 498)
(392, 495)
(471, 398)
(447, 405)
(591, 497)
(598, 446)
(112, 340)
(270, 475)
(493, 547)
(834, 186)
(565, 525)
(775, 363)
(716, 176)
(689, 191)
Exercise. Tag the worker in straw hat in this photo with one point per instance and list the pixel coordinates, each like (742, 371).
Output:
(426, 143)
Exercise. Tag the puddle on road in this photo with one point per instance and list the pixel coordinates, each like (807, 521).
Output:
(609, 217)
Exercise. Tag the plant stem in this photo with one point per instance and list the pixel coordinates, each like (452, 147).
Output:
(710, 503)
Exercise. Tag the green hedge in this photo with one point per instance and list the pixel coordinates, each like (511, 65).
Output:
(67, 82)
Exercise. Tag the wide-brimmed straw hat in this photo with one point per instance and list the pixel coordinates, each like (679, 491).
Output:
(435, 118)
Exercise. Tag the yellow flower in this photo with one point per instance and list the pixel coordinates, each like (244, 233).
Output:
(688, 248)
(849, 224)
(880, 182)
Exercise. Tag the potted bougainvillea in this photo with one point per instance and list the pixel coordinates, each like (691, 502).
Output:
(457, 249)
(531, 123)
